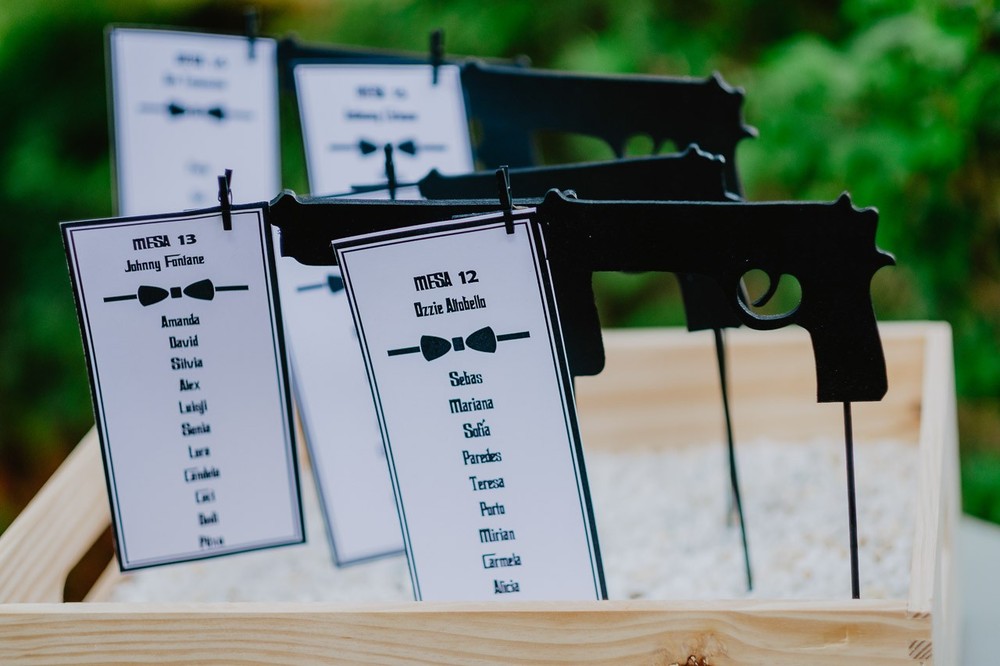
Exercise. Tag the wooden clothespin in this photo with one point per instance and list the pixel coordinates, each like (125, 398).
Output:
(390, 172)
(226, 199)
(506, 205)
(437, 53)
(251, 28)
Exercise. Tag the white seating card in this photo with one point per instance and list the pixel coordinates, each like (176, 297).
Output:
(474, 399)
(184, 344)
(338, 420)
(350, 113)
(186, 107)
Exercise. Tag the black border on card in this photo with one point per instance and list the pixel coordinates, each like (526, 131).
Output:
(109, 78)
(280, 357)
(569, 395)
(559, 359)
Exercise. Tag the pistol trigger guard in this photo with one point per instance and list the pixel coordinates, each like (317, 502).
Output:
(766, 322)
(761, 322)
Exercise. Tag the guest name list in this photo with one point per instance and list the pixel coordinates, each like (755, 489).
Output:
(473, 399)
(188, 372)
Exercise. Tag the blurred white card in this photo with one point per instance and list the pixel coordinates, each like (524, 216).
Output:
(187, 106)
(335, 408)
(351, 113)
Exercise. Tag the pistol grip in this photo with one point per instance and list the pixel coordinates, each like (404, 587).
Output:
(581, 325)
(850, 363)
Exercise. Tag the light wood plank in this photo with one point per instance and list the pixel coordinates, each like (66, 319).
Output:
(777, 634)
(934, 583)
(57, 527)
(105, 583)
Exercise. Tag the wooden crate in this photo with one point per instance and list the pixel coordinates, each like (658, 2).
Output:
(659, 386)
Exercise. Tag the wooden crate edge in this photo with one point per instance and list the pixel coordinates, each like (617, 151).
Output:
(722, 633)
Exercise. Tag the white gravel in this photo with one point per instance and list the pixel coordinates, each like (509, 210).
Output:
(663, 531)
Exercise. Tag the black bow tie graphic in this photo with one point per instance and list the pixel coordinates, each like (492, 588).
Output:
(175, 109)
(410, 147)
(202, 289)
(484, 340)
(334, 282)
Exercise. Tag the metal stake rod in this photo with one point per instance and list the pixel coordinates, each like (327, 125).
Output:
(852, 506)
(734, 480)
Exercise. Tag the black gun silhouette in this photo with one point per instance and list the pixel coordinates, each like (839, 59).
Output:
(692, 175)
(613, 108)
(828, 247)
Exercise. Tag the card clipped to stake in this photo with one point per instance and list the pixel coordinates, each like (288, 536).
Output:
(461, 340)
(184, 345)
(186, 106)
(360, 120)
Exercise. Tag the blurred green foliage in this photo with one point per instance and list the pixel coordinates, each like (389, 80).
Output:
(981, 485)
(896, 101)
